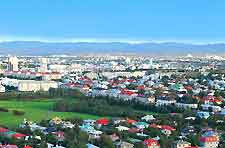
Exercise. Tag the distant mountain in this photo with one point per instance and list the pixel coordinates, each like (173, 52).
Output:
(79, 48)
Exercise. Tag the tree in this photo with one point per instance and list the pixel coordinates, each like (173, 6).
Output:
(75, 137)
(194, 139)
(139, 145)
(106, 142)
(43, 144)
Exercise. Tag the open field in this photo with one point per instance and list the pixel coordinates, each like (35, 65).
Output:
(34, 110)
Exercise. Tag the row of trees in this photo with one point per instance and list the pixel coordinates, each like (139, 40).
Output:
(95, 106)
(52, 93)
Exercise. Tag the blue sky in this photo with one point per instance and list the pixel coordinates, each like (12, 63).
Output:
(138, 20)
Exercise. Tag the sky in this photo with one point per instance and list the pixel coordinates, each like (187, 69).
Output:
(113, 20)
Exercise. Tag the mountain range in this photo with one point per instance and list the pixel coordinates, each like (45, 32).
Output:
(34, 48)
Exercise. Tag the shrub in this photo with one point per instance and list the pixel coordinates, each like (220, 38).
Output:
(18, 112)
(3, 109)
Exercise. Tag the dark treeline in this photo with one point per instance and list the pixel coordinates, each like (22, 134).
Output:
(137, 105)
(107, 106)
(52, 93)
(98, 107)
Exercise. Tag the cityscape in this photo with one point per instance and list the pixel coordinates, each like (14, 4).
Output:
(150, 102)
(116, 74)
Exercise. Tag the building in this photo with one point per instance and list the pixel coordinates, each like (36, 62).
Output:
(13, 64)
(151, 143)
(204, 115)
(209, 139)
(2, 89)
(91, 146)
(43, 65)
(123, 144)
(181, 144)
(32, 85)
(209, 142)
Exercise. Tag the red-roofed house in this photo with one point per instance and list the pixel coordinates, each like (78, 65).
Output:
(102, 121)
(211, 141)
(2, 130)
(167, 127)
(167, 130)
(131, 121)
(59, 135)
(27, 146)
(151, 143)
(18, 136)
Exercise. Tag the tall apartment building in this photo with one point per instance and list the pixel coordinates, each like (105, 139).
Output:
(43, 65)
(13, 63)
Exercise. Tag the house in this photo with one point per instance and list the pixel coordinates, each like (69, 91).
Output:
(117, 120)
(123, 144)
(18, 136)
(141, 125)
(86, 128)
(94, 134)
(33, 86)
(181, 144)
(67, 124)
(151, 143)
(54, 146)
(204, 115)
(2, 89)
(32, 126)
(50, 129)
(27, 146)
(189, 130)
(3, 130)
(209, 142)
(55, 121)
(122, 128)
(8, 146)
(134, 130)
(142, 134)
(165, 101)
(167, 130)
(91, 146)
(103, 121)
(148, 118)
(131, 121)
(151, 99)
(89, 122)
(11, 134)
(114, 137)
(222, 112)
(185, 105)
(59, 135)
(213, 108)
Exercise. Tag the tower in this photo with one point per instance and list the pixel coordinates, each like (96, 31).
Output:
(13, 63)
(43, 65)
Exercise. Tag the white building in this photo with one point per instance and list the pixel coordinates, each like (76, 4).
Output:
(43, 65)
(2, 89)
(32, 85)
(13, 64)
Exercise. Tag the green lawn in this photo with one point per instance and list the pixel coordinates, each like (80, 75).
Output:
(35, 111)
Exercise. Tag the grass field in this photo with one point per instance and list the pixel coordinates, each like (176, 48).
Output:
(35, 111)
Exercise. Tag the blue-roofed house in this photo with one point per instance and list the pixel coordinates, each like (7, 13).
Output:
(204, 115)
(91, 146)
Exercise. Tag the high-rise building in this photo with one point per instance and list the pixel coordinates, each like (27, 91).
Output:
(43, 65)
(13, 64)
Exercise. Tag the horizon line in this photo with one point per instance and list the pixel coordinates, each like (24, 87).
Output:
(106, 40)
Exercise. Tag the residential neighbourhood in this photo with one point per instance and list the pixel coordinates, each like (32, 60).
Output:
(181, 106)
